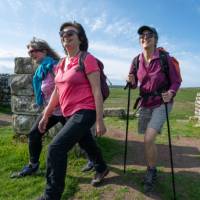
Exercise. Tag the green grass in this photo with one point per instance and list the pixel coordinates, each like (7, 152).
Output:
(5, 109)
(14, 155)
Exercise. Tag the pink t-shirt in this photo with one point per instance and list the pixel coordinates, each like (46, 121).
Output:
(74, 89)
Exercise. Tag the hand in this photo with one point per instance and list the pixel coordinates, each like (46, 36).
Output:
(167, 96)
(43, 124)
(131, 79)
(100, 128)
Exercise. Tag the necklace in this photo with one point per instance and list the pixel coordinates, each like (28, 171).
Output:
(70, 59)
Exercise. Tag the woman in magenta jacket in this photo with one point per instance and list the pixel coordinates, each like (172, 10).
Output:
(155, 90)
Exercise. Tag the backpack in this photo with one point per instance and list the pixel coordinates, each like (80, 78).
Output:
(103, 79)
(164, 64)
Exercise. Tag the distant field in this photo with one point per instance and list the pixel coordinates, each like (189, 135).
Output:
(179, 118)
(185, 99)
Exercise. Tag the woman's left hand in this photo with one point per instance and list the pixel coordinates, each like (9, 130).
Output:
(167, 96)
(100, 128)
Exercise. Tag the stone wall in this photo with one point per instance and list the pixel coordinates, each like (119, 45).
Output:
(5, 89)
(22, 98)
(197, 110)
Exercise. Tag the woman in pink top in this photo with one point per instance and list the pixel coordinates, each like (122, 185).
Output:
(43, 85)
(79, 95)
(155, 89)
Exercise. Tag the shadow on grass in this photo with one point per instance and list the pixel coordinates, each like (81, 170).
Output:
(186, 165)
(183, 156)
(186, 185)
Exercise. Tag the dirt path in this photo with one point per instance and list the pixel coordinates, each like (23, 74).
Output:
(5, 120)
(186, 153)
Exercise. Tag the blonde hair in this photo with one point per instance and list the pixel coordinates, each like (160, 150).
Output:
(42, 45)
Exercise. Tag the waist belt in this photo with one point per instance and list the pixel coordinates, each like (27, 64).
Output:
(145, 95)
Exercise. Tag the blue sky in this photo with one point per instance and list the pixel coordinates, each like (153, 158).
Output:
(111, 27)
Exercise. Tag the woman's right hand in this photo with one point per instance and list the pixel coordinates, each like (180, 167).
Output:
(131, 79)
(43, 124)
(100, 128)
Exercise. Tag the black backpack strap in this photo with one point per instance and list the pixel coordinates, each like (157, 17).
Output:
(136, 62)
(82, 57)
(164, 64)
(134, 65)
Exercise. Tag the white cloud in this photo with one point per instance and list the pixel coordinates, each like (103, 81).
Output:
(189, 64)
(113, 50)
(15, 5)
(116, 60)
(48, 8)
(12, 53)
(7, 59)
(6, 67)
(99, 22)
(123, 28)
(116, 27)
(116, 69)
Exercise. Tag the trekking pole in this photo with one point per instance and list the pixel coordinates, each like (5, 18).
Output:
(170, 149)
(127, 120)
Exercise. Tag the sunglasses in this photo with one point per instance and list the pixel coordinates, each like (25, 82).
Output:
(67, 33)
(147, 35)
(33, 51)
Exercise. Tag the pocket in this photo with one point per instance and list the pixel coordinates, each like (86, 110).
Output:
(84, 116)
(77, 117)
(144, 118)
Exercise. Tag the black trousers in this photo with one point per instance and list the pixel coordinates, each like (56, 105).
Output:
(76, 129)
(35, 136)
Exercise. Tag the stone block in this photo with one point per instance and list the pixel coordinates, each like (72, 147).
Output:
(21, 85)
(193, 119)
(24, 66)
(114, 112)
(24, 105)
(23, 123)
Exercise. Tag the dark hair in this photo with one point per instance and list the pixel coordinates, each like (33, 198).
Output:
(81, 34)
(42, 45)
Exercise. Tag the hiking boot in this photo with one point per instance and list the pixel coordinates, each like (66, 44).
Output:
(28, 170)
(89, 166)
(99, 177)
(150, 179)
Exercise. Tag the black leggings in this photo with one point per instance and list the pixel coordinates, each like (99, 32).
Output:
(76, 129)
(35, 136)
